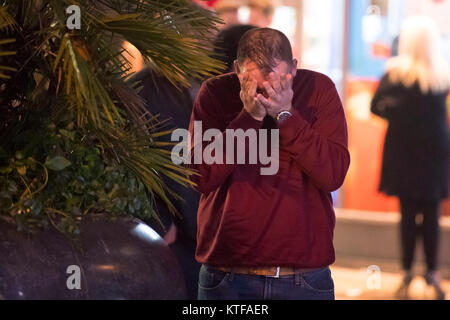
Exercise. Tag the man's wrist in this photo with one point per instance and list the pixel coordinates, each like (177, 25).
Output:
(258, 118)
(283, 116)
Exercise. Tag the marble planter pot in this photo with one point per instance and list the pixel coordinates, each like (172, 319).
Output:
(121, 259)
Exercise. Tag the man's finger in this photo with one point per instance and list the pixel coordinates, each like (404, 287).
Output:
(258, 103)
(284, 82)
(253, 85)
(248, 82)
(290, 79)
(266, 103)
(250, 88)
(275, 82)
(244, 79)
(270, 91)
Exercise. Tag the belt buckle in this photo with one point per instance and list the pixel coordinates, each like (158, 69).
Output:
(277, 276)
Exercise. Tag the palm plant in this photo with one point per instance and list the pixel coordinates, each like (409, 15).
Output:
(75, 137)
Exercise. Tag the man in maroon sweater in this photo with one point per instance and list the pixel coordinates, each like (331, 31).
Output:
(269, 236)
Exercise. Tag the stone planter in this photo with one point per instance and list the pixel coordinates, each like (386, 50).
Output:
(121, 259)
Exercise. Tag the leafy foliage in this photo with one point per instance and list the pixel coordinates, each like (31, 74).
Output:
(75, 135)
(6, 22)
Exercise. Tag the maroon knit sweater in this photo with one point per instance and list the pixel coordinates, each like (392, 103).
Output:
(246, 219)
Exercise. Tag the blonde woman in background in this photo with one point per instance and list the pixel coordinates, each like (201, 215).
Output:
(412, 98)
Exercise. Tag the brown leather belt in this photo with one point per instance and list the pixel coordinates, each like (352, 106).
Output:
(271, 272)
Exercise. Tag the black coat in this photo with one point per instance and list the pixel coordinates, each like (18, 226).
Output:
(173, 105)
(417, 145)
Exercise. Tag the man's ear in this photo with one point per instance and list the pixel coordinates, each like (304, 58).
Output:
(294, 67)
(237, 69)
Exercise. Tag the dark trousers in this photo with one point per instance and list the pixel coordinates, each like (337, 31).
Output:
(410, 231)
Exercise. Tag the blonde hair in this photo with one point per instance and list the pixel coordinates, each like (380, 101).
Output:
(420, 57)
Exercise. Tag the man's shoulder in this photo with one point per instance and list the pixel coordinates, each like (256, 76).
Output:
(319, 80)
(226, 82)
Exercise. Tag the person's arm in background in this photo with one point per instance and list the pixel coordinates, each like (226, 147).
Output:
(384, 99)
(321, 150)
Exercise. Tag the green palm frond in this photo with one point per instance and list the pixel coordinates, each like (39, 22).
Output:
(83, 73)
(6, 20)
(85, 90)
(6, 24)
(148, 161)
(177, 57)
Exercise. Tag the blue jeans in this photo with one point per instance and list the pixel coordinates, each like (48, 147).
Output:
(218, 285)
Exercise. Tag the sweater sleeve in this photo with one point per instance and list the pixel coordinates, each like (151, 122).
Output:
(320, 150)
(208, 114)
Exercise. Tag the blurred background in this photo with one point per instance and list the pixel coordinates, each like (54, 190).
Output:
(350, 41)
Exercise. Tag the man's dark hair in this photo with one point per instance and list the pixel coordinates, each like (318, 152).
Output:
(266, 48)
(226, 44)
